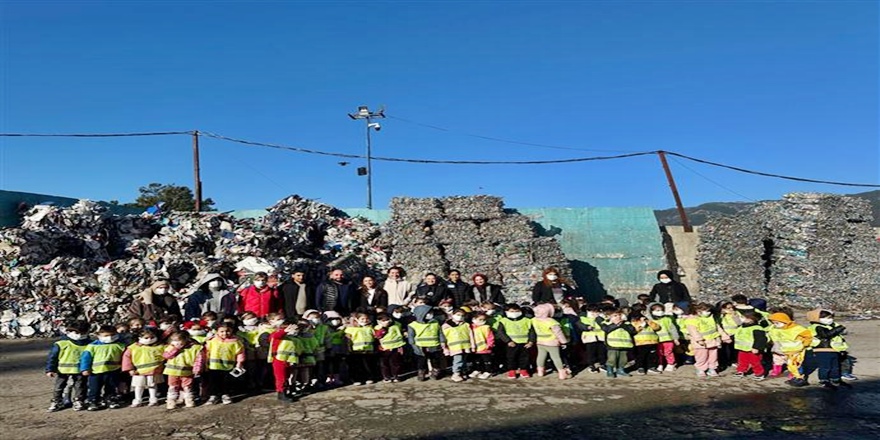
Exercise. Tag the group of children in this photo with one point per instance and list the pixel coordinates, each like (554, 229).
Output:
(215, 357)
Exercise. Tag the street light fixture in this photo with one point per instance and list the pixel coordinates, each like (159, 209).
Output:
(364, 112)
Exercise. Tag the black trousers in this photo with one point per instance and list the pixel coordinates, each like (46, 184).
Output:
(78, 392)
(436, 358)
(390, 363)
(220, 382)
(517, 357)
(645, 356)
(595, 353)
(361, 366)
(103, 385)
(483, 362)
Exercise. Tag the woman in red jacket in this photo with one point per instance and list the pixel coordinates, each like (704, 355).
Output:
(259, 298)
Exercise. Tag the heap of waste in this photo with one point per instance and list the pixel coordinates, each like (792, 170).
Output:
(82, 262)
(807, 250)
(473, 235)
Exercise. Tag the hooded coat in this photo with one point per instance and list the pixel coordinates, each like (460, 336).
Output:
(673, 291)
(204, 300)
(544, 312)
(824, 334)
(151, 307)
(420, 314)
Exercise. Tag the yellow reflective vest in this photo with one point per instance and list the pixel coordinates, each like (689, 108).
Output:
(517, 331)
(285, 351)
(222, 354)
(544, 330)
(619, 339)
(837, 343)
(744, 337)
(707, 327)
(69, 355)
(788, 338)
(646, 336)
(106, 357)
(147, 358)
(182, 364)
(458, 338)
(361, 338)
(393, 338)
(481, 337)
(427, 335)
(595, 335)
(665, 323)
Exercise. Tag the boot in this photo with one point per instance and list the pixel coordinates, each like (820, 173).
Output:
(609, 371)
(542, 371)
(564, 374)
(776, 371)
(171, 400)
(188, 400)
(423, 375)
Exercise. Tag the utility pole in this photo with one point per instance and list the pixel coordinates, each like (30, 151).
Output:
(365, 113)
(681, 213)
(196, 171)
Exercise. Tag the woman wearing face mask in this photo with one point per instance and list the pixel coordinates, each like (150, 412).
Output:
(668, 290)
(259, 298)
(211, 295)
(154, 303)
(552, 289)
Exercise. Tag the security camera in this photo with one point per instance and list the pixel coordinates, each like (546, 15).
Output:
(375, 126)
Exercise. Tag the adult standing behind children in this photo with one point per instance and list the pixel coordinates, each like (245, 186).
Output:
(211, 295)
(432, 291)
(297, 295)
(483, 291)
(400, 291)
(669, 291)
(336, 294)
(259, 298)
(370, 295)
(459, 290)
(552, 289)
(154, 303)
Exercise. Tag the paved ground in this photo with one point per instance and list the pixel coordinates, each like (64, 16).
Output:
(672, 405)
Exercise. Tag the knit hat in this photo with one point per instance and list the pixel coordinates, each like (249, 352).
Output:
(780, 317)
(330, 314)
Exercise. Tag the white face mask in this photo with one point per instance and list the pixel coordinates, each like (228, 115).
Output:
(315, 321)
(259, 284)
(490, 312)
(457, 318)
(479, 323)
(250, 322)
(75, 336)
(164, 327)
(665, 280)
(363, 323)
(215, 285)
(209, 323)
(429, 317)
(397, 315)
(108, 339)
(552, 277)
(826, 321)
(678, 312)
(160, 291)
(147, 341)
(335, 322)
(197, 333)
(657, 313)
(778, 324)
(276, 322)
(705, 314)
(592, 315)
(513, 315)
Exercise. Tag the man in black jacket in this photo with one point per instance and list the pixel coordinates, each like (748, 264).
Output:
(460, 291)
(668, 290)
(297, 296)
(432, 291)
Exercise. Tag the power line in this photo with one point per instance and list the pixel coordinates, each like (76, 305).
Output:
(778, 176)
(683, 165)
(97, 135)
(502, 140)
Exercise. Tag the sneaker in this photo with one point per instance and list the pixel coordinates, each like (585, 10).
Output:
(78, 406)
(642, 371)
(395, 380)
(153, 403)
(848, 376)
(55, 406)
(135, 404)
(841, 384)
(457, 378)
(357, 384)
(170, 404)
(829, 386)
(114, 405)
(622, 372)
(213, 400)
(602, 369)
(189, 403)
(227, 399)
(475, 374)
(593, 370)
(524, 374)
(93, 406)
(712, 373)
(511, 374)
(670, 367)
(435, 374)
(485, 375)
(657, 370)
(797, 382)
(369, 382)
(283, 397)
(739, 374)
(422, 375)
(386, 380)
(758, 378)
(610, 373)
(701, 373)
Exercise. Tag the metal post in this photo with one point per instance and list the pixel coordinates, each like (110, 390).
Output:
(681, 213)
(369, 168)
(196, 171)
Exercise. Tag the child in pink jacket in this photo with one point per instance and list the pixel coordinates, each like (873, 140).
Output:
(550, 338)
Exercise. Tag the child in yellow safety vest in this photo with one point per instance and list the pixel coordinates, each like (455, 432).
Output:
(321, 334)
(305, 347)
(482, 360)
(143, 361)
(792, 340)
(618, 342)
(390, 336)
(705, 337)
(549, 337)
(101, 361)
(362, 357)
(226, 355)
(824, 353)
(751, 342)
(282, 355)
(426, 340)
(593, 339)
(516, 332)
(63, 365)
(337, 349)
(729, 320)
(646, 341)
(459, 343)
(249, 332)
(184, 360)
(667, 337)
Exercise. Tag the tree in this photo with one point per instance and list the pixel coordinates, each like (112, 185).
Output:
(176, 198)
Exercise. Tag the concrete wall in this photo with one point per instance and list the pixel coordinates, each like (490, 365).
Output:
(682, 257)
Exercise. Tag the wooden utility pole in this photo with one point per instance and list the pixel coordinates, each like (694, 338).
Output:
(681, 213)
(196, 171)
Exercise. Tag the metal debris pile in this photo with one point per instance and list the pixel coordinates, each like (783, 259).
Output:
(473, 235)
(807, 250)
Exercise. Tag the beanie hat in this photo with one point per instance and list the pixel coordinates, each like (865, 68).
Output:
(780, 317)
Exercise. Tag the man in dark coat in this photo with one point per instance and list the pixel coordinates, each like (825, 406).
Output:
(336, 294)
(459, 290)
(297, 296)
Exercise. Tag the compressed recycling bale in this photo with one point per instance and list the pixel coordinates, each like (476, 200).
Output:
(420, 259)
(408, 232)
(470, 255)
(508, 228)
(472, 207)
(415, 209)
(452, 231)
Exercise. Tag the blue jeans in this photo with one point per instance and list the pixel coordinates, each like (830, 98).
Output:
(458, 363)
(827, 362)
(107, 382)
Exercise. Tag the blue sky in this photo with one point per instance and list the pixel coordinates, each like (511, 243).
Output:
(786, 87)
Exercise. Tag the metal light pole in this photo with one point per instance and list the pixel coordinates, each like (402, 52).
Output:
(365, 113)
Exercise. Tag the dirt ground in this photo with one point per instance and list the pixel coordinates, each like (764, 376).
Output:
(671, 405)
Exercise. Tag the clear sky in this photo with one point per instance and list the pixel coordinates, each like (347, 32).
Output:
(785, 87)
